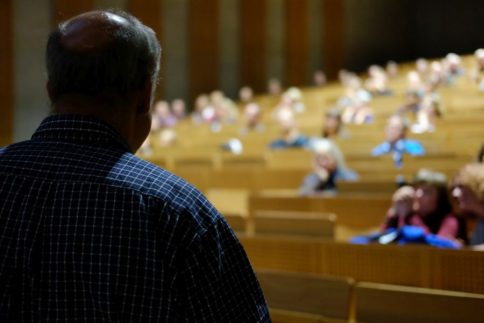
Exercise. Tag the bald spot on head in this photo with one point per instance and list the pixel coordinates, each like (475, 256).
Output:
(90, 31)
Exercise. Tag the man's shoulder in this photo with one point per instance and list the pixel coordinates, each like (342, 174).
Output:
(145, 177)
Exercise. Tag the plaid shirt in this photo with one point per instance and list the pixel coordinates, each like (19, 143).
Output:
(91, 233)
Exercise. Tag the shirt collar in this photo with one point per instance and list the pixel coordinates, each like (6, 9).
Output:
(80, 130)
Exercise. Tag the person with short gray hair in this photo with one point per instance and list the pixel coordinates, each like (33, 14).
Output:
(92, 233)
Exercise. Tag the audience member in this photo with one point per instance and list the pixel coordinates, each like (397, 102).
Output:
(453, 67)
(333, 124)
(246, 95)
(422, 67)
(426, 205)
(293, 95)
(415, 83)
(290, 135)
(319, 78)
(396, 141)
(355, 102)
(329, 167)
(430, 109)
(92, 233)
(377, 83)
(162, 114)
(412, 103)
(201, 103)
(436, 74)
(178, 108)
(252, 115)
(468, 190)
(225, 108)
(274, 86)
(477, 73)
(392, 69)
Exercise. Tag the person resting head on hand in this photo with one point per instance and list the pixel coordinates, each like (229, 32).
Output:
(468, 190)
(426, 204)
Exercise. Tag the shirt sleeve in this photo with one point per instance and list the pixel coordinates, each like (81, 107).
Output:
(383, 148)
(219, 282)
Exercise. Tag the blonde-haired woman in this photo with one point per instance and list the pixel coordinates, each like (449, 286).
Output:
(329, 167)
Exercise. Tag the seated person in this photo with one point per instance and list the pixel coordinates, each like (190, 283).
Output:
(355, 102)
(452, 67)
(477, 73)
(392, 69)
(426, 204)
(412, 103)
(377, 83)
(252, 116)
(396, 141)
(290, 135)
(415, 83)
(319, 78)
(428, 113)
(295, 98)
(202, 102)
(333, 124)
(468, 190)
(328, 168)
(358, 113)
(274, 87)
(163, 115)
(246, 95)
(178, 108)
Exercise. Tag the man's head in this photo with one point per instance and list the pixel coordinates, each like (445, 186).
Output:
(468, 189)
(396, 129)
(104, 63)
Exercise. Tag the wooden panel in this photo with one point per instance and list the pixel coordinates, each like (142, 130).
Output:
(305, 224)
(410, 265)
(334, 36)
(391, 303)
(203, 46)
(253, 44)
(6, 73)
(359, 212)
(149, 12)
(296, 41)
(64, 10)
(307, 293)
(288, 253)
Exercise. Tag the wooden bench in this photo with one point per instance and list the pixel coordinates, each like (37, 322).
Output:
(393, 303)
(357, 214)
(290, 223)
(409, 265)
(316, 297)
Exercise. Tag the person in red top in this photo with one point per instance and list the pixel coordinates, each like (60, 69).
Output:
(426, 204)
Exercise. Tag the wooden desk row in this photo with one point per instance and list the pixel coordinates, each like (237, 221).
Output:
(308, 298)
(410, 265)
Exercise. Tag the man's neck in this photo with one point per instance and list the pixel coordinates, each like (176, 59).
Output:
(118, 118)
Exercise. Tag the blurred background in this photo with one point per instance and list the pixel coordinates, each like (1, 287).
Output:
(227, 44)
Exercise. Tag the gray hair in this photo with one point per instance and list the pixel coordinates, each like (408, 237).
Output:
(116, 71)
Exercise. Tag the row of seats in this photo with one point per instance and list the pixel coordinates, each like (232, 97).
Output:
(408, 265)
(310, 298)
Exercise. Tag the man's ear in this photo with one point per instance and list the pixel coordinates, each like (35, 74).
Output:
(144, 99)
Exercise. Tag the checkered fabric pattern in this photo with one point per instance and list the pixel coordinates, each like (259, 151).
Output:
(91, 233)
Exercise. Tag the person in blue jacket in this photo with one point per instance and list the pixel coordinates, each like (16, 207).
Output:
(397, 143)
